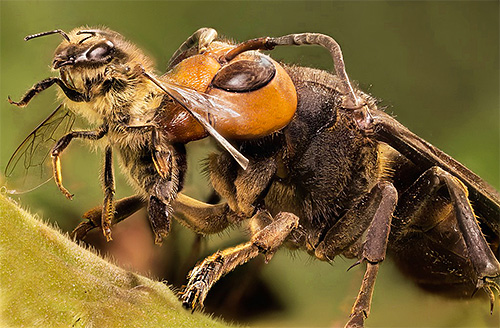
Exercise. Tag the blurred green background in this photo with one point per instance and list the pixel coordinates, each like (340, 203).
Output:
(435, 65)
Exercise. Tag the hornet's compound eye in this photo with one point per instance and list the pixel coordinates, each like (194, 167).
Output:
(245, 75)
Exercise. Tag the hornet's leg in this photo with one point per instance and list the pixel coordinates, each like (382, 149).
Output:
(374, 250)
(265, 241)
(201, 217)
(374, 213)
(245, 189)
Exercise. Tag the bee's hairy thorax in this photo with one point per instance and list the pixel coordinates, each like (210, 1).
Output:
(121, 99)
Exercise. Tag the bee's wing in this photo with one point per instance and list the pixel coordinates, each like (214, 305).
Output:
(208, 106)
(204, 108)
(30, 165)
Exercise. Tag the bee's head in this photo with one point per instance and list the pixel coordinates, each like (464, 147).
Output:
(92, 48)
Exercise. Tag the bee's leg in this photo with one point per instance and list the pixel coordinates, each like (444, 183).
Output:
(200, 217)
(159, 216)
(109, 192)
(415, 201)
(265, 241)
(45, 84)
(164, 191)
(162, 154)
(158, 170)
(124, 208)
(62, 144)
(373, 215)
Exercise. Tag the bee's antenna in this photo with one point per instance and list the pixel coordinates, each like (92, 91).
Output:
(63, 34)
(92, 33)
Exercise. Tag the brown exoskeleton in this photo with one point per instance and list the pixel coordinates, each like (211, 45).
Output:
(315, 164)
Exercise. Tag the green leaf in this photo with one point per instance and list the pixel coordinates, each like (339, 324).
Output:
(47, 280)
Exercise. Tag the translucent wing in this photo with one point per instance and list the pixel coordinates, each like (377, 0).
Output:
(201, 106)
(208, 106)
(30, 165)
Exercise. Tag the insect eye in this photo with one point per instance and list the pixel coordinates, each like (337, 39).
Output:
(245, 75)
(100, 51)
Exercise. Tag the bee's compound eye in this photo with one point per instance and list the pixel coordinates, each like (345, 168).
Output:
(245, 75)
(100, 51)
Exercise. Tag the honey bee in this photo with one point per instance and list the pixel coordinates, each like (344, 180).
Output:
(308, 160)
(108, 81)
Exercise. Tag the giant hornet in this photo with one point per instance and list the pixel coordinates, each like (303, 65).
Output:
(307, 159)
